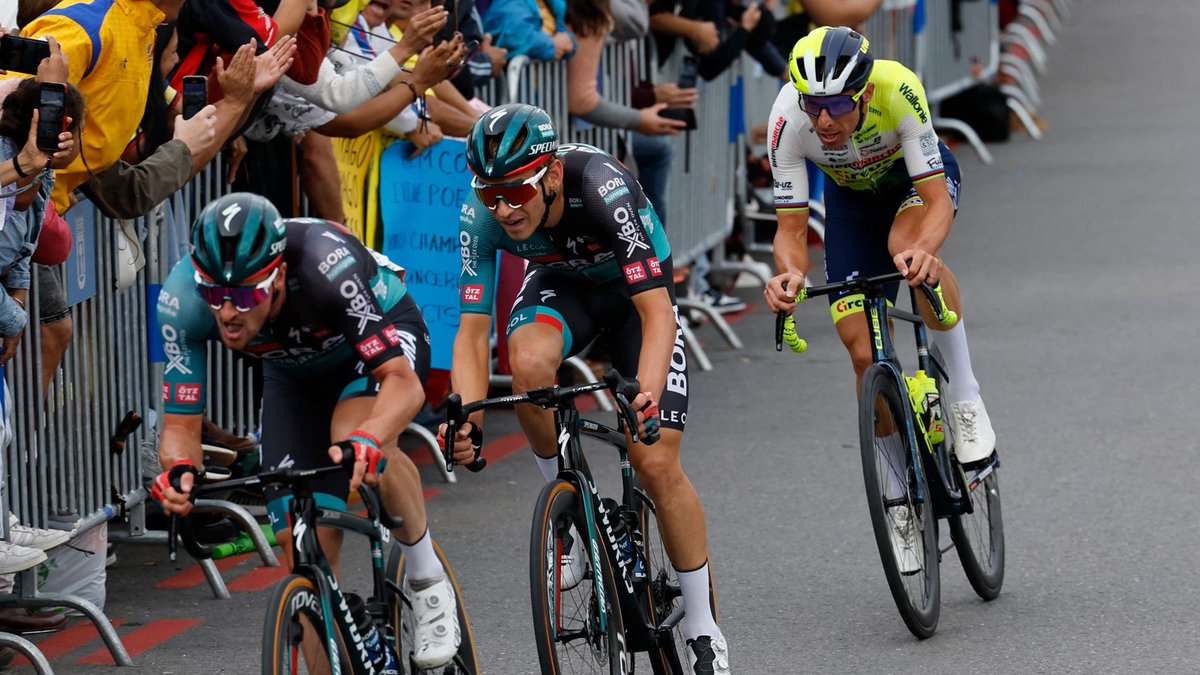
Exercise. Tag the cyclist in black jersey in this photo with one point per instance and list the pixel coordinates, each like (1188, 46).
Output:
(599, 266)
(344, 352)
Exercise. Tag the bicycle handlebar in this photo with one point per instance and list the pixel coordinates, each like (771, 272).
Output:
(624, 390)
(286, 477)
(785, 324)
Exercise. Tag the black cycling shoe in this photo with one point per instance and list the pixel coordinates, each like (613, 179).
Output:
(708, 656)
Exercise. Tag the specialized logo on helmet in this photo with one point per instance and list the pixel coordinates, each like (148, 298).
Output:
(543, 148)
(495, 117)
(229, 213)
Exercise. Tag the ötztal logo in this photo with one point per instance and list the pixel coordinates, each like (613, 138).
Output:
(655, 267)
(371, 347)
(187, 393)
(472, 294)
(635, 272)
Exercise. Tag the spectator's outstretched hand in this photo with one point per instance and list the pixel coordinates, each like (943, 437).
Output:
(674, 97)
(751, 17)
(199, 132)
(421, 29)
(33, 158)
(498, 55)
(705, 37)
(237, 79)
(273, 63)
(653, 124)
(563, 45)
(423, 140)
(54, 68)
(439, 63)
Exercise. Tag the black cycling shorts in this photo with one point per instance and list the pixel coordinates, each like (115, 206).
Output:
(583, 313)
(297, 415)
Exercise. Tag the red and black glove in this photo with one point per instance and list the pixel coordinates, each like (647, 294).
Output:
(171, 477)
(366, 449)
(650, 419)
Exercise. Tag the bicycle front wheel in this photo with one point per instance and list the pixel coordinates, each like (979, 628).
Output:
(567, 618)
(465, 661)
(979, 537)
(662, 593)
(293, 610)
(900, 506)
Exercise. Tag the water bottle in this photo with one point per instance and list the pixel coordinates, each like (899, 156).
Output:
(629, 558)
(381, 657)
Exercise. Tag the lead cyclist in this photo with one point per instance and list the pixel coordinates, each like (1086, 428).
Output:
(891, 195)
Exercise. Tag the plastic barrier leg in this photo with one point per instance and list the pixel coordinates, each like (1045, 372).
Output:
(248, 523)
(1017, 104)
(430, 442)
(715, 318)
(1047, 8)
(694, 348)
(580, 366)
(968, 133)
(26, 596)
(1040, 21)
(1023, 75)
(1022, 36)
(215, 581)
(30, 651)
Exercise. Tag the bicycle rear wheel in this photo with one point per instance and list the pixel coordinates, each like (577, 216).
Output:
(979, 537)
(900, 506)
(465, 661)
(566, 621)
(662, 594)
(294, 602)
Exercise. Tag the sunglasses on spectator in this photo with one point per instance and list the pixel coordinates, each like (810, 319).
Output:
(244, 298)
(515, 195)
(836, 106)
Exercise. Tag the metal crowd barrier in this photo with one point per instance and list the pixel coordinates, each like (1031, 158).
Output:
(952, 61)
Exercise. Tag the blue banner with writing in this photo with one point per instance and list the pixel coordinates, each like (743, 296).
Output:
(419, 200)
(80, 268)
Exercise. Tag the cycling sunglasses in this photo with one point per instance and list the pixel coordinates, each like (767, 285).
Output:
(836, 106)
(244, 298)
(515, 195)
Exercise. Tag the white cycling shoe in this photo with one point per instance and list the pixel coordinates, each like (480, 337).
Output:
(974, 439)
(572, 567)
(708, 654)
(904, 540)
(436, 633)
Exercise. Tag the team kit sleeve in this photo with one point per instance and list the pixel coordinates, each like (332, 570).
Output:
(612, 194)
(185, 324)
(476, 241)
(337, 279)
(788, 165)
(922, 157)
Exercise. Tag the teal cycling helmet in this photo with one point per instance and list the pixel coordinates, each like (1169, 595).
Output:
(236, 238)
(509, 139)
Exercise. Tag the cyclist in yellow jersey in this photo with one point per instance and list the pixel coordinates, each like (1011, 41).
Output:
(891, 194)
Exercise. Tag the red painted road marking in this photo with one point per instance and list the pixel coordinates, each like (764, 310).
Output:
(194, 576)
(70, 639)
(142, 640)
(430, 493)
(751, 308)
(259, 579)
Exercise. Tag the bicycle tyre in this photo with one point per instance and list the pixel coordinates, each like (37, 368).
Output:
(293, 597)
(918, 602)
(979, 539)
(466, 661)
(559, 507)
(662, 592)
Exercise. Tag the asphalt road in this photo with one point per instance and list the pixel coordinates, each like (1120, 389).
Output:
(1076, 255)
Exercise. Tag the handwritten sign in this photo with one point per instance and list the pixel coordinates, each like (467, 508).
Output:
(355, 162)
(420, 200)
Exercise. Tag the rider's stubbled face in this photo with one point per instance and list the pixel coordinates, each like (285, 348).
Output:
(835, 132)
(521, 222)
(236, 328)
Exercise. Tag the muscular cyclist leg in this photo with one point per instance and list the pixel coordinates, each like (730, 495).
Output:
(676, 504)
(535, 353)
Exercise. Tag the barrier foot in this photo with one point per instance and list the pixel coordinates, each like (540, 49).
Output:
(26, 584)
(1021, 36)
(1040, 21)
(580, 366)
(968, 133)
(249, 524)
(1046, 7)
(694, 348)
(215, 581)
(736, 266)
(714, 317)
(1022, 114)
(1023, 75)
(430, 443)
(30, 651)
